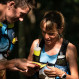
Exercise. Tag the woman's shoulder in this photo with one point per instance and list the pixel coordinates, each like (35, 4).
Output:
(36, 41)
(71, 46)
(71, 50)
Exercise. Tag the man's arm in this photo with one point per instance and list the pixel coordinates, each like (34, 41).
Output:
(2, 64)
(16, 64)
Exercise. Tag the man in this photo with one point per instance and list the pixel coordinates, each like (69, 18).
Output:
(11, 11)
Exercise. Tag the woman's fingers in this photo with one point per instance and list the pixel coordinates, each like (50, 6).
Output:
(50, 72)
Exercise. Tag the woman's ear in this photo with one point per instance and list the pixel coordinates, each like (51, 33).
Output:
(60, 30)
(10, 4)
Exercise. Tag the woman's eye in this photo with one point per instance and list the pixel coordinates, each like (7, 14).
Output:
(43, 32)
(51, 33)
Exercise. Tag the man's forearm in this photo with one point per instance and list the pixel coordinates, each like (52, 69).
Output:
(16, 64)
(10, 64)
(7, 64)
(3, 64)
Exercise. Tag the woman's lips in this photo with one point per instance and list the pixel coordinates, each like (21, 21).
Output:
(47, 40)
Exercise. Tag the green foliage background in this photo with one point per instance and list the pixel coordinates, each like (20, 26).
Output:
(29, 29)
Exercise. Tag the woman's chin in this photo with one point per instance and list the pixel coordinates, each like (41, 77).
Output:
(48, 43)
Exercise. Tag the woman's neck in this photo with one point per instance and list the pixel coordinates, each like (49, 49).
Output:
(55, 47)
(2, 12)
(54, 42)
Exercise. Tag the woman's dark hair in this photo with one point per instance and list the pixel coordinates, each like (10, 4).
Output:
(53, 19)
(21, 3)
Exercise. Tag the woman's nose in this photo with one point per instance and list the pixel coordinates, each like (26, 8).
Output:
(46, 35)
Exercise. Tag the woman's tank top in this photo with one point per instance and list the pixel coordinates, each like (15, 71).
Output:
(53, 59)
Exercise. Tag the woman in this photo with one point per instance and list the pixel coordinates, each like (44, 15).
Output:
(60, 54)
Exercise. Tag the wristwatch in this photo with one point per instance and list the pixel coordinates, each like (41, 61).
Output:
(63, 76)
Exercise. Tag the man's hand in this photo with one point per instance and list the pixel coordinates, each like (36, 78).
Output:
(19, 65)
(32, 70)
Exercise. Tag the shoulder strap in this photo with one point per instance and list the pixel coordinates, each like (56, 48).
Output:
(41, 43)
(62, 61)
(63, 47)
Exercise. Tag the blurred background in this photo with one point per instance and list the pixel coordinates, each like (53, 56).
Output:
(29, 29)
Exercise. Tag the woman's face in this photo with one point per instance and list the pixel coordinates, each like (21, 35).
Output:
(49, 36)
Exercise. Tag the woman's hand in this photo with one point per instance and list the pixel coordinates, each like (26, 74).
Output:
(53, 72)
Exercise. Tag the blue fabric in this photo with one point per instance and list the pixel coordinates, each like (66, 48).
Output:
(4, 44)
(6, 41)
(63, 68)
(44, 57)
(4, 27)
(11, 34)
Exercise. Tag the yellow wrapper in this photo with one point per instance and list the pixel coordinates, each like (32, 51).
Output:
(40, 64)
